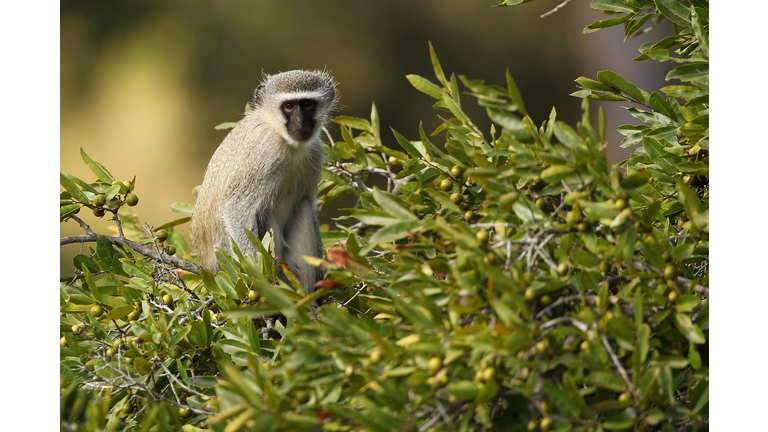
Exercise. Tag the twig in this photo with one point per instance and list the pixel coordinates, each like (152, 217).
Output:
(162, 257)
(558, 7)
(573, 322)
(544, 255)
(564, 300)
(362, 287)
(181, 384)
(619, 367)
(83, 225)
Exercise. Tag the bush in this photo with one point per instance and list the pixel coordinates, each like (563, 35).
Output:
(510, 280)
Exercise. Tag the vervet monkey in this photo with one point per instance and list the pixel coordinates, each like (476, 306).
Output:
(264, 175)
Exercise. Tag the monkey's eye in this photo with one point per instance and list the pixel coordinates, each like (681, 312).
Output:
(306, 103)
(288, 106)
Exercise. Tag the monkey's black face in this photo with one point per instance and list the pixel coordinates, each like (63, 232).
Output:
(300, 118)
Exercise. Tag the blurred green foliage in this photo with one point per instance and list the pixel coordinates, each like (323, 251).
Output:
(510, 279)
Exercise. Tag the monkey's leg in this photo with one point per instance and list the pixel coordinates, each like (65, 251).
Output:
(302, 237)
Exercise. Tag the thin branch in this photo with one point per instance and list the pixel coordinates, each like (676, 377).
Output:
(573, 322)
(619, 367)
(162, 257)
(558, 7)
(83, 225)
(328, 135)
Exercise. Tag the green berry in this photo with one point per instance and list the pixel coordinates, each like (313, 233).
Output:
(168, 300)
(175, 352)
(572, 217)
(435, 364)
(670, 272)
(97, 311)
(131, 199)
(99, 200)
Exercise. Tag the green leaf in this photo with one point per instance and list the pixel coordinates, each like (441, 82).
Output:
(436, 66)
(425, 86)
(85, 263)
(391, 204)
(599, 210)
(394, 232)
(202, 381)
(567, 136)
(528, 213)
(684, 92)
(464, 390)
(591, 84)
(209, 280)
(585, 258)
(72, 188)
(555, 173)
(689, 200)
(619, 422)
(597, 25)
(511, 123)
(611, 5)
(354, 122)
(142, 366)
(701, 34)
(182, 208)
(487, 392)
(225, 126)
(97, 168)
(454, 108)
(689, 72)
(67, 211)
(174, 223)
(180, 335)
(405, 144)
(643, 341)
(635, 180)
(700, 397)
(608, 380)
(670, 361)
(618, 82)
(120, 312)
(225, 284)
(514, 94)
(674, 11)
(691, 331)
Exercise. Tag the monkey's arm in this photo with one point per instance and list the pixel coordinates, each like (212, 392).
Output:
(302, 237)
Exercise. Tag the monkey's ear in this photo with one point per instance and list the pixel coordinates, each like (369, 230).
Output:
(258, 95)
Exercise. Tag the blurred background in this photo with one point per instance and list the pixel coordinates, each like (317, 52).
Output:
(144, 83)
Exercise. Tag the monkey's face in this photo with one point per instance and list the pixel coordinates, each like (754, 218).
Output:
(300, 118)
